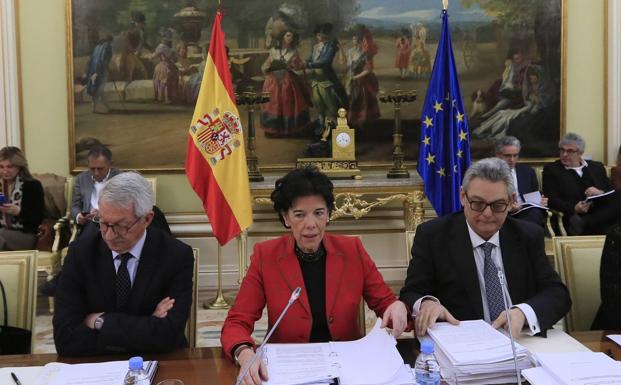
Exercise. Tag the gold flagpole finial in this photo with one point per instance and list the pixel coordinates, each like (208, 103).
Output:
(445, 4)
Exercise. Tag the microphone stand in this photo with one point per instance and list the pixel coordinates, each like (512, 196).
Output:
(294, 296)
(501, 278)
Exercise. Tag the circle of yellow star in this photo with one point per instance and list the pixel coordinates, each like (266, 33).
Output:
(462, 135)
(460, 153)
(441, 172)
(428, 121)
(437, 106)
(430, 159)
(427, 140)
(460, 117)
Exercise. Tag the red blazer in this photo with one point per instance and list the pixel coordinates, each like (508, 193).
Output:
(275, 272)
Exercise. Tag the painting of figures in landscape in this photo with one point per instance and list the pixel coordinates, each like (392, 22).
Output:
(137, 65)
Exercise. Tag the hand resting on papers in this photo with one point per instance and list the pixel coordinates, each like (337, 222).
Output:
(396, 313)
(430, 312)
(257, 373)
(517, 321)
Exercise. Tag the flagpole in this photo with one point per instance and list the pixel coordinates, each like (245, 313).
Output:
(444, 4)
(219, 302)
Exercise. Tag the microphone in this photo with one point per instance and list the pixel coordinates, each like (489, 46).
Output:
(294, 296)
(501, 278)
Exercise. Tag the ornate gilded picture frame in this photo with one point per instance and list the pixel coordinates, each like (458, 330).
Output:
(135, 67)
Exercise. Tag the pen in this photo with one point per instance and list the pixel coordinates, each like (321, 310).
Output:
(15, 379)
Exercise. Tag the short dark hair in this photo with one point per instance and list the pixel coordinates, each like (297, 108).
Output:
(298, 183)
(100, 150)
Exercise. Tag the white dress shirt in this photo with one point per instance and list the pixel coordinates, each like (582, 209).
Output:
(132, 263)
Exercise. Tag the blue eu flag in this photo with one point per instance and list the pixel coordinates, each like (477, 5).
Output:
(444, 153)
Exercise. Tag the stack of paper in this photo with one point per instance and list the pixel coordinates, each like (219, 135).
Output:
(55, 373)
(475, 353)
(372, 360)
(575, 368)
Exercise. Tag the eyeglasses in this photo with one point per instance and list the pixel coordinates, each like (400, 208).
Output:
(568, 151)
(116, 229)
(480, 206)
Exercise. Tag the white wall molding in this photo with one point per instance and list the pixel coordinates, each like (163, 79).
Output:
(10, 133)
(613, 78)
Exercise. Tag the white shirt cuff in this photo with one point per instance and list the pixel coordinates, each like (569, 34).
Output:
(416, 307)
(531, 319)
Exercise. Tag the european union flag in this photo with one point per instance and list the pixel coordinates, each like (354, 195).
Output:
(444, 153)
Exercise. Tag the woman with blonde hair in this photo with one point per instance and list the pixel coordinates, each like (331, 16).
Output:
(21, 204)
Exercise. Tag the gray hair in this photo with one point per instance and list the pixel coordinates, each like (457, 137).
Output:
(490, 169)
(129, 189)
(507, 141)
(572, 139)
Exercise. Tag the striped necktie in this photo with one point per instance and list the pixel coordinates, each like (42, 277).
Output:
(493, 289)
(123, 282)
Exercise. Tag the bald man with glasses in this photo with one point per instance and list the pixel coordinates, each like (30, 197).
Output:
(453, 273)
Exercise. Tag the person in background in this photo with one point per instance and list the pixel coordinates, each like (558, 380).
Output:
(88, 184)
(608, 315)
(524, 179)
(453, 273)
(127, 288)
(569, 181)
(334, 272)
(23, 207)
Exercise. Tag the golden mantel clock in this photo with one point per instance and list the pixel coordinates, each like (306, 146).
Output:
(342, 163)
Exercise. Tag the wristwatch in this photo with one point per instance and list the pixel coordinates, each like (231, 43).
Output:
(99, 321)
(238, 350)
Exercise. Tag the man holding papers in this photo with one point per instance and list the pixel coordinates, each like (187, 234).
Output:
(125, 288)
(453, 274)
(525, 183)
(574, 186)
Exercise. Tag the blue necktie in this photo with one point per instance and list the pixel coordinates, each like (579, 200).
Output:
(123, 282)
(493, 289)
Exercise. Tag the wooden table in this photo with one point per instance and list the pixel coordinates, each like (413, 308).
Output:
(207, 366)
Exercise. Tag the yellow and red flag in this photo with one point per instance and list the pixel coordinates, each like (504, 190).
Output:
(216, 159)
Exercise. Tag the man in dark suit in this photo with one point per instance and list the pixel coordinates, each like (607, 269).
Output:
(453, 274)
(524, 179)
(88, 184)
(569, 181)
(126, 288)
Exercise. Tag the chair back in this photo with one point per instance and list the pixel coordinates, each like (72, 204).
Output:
(18, 275)
(190, 327)
(577, 259)
(153, 182)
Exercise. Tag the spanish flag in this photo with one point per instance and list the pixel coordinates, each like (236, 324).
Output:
(216, 158)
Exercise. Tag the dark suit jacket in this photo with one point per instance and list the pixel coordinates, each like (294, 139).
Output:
(82, 190)
(563, 187)
(443, 266)
(526, 178)
(88, 286)
(275, 272)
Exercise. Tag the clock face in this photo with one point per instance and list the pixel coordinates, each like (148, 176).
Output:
(343, 139)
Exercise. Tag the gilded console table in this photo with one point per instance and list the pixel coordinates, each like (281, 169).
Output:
(353, 198)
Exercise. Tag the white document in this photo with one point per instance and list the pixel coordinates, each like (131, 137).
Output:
(592, 197)
(615, 337)
(299, 363)
(582, 368)
(26, 374)
(373, 359)
(539, 376)
(473, 342)
(533, 198)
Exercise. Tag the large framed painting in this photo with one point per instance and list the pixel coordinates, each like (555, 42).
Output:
(135, 68)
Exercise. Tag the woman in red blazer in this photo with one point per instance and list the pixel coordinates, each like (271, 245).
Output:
(333, 271)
